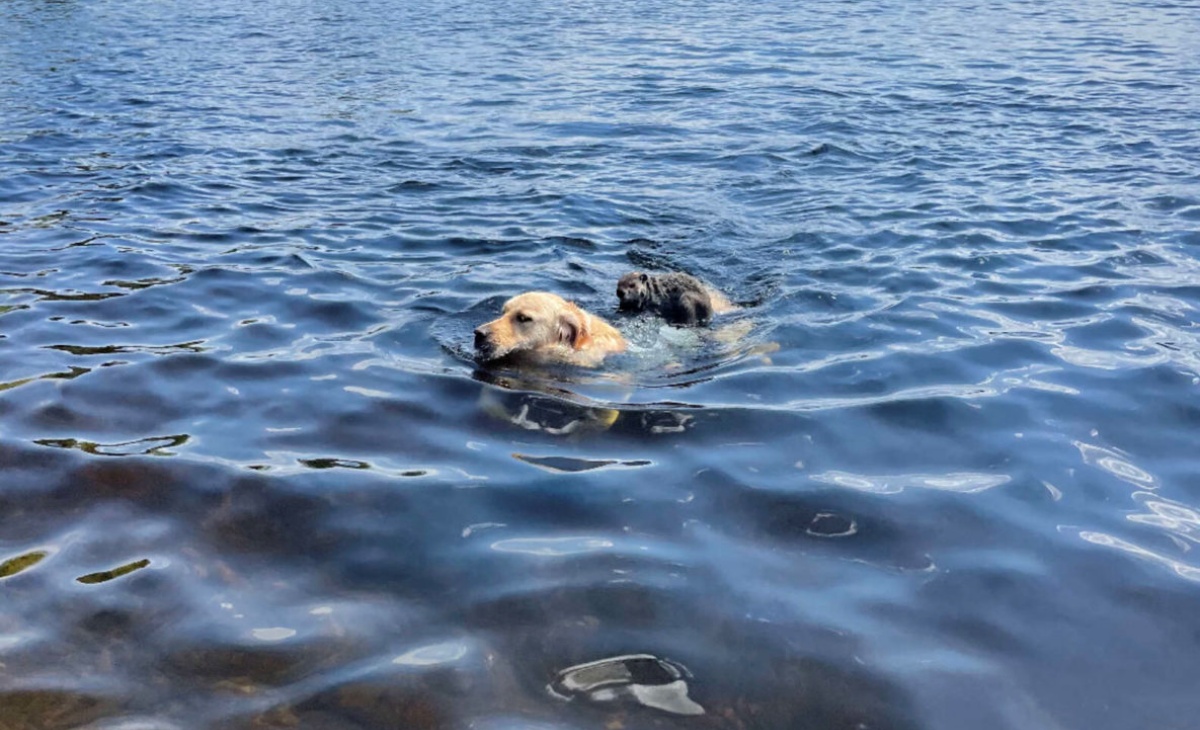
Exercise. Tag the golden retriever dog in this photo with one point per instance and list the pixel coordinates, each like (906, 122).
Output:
(540, 327)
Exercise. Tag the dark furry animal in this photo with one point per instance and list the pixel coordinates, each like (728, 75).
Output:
(679, 298)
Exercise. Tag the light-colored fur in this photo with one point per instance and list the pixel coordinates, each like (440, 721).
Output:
(541, 327)
(720, 302)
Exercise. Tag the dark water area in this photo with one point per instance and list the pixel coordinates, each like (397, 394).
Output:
(938, 471)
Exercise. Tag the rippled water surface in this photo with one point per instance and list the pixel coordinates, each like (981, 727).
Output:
(938, 471)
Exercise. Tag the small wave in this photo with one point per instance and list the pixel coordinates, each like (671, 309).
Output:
(963, 482)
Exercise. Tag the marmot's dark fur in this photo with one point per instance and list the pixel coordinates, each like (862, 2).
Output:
(678, 298)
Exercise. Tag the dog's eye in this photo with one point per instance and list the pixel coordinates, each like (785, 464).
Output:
(523, 318)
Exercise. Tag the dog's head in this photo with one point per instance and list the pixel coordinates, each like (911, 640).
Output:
(633, 290)
(529, 322)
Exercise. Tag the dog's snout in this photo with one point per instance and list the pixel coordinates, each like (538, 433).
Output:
(480, 338)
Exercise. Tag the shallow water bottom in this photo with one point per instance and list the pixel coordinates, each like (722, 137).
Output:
(149, 592)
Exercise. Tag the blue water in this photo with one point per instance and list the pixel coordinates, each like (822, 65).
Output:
(938, 471)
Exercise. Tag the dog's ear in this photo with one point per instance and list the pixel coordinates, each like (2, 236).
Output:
(572, 327)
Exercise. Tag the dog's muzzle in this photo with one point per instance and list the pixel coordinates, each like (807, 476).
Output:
(483, 346)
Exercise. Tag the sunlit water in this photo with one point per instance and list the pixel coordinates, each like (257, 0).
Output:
(938, 472)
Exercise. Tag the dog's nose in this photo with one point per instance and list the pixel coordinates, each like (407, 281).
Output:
(480, 338)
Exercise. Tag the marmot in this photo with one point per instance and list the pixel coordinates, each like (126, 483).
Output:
(679, 298)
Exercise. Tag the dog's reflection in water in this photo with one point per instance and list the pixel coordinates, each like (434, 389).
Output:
(548, 397)
(533, 404)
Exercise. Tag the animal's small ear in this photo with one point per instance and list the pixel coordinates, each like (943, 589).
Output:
(568, 332)
(571, 328)
(645, 278)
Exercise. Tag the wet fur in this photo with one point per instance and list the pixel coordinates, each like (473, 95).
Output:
(680, 299)
(541, 327)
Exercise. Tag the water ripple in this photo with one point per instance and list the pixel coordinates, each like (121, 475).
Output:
(894, 484)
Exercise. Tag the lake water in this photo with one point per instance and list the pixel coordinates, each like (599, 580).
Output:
(939, 471)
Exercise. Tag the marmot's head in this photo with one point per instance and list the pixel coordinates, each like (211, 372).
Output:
(633, 290)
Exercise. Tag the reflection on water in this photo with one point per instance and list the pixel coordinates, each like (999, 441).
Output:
(15, 565)
(443, 653)
(552, 545)
(153, 446)
(1179, 567)
(956, 482)
(107, 575)
(569, 464)
(1113, 463)
(939, 460)
(550, 415)
(642, 678)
